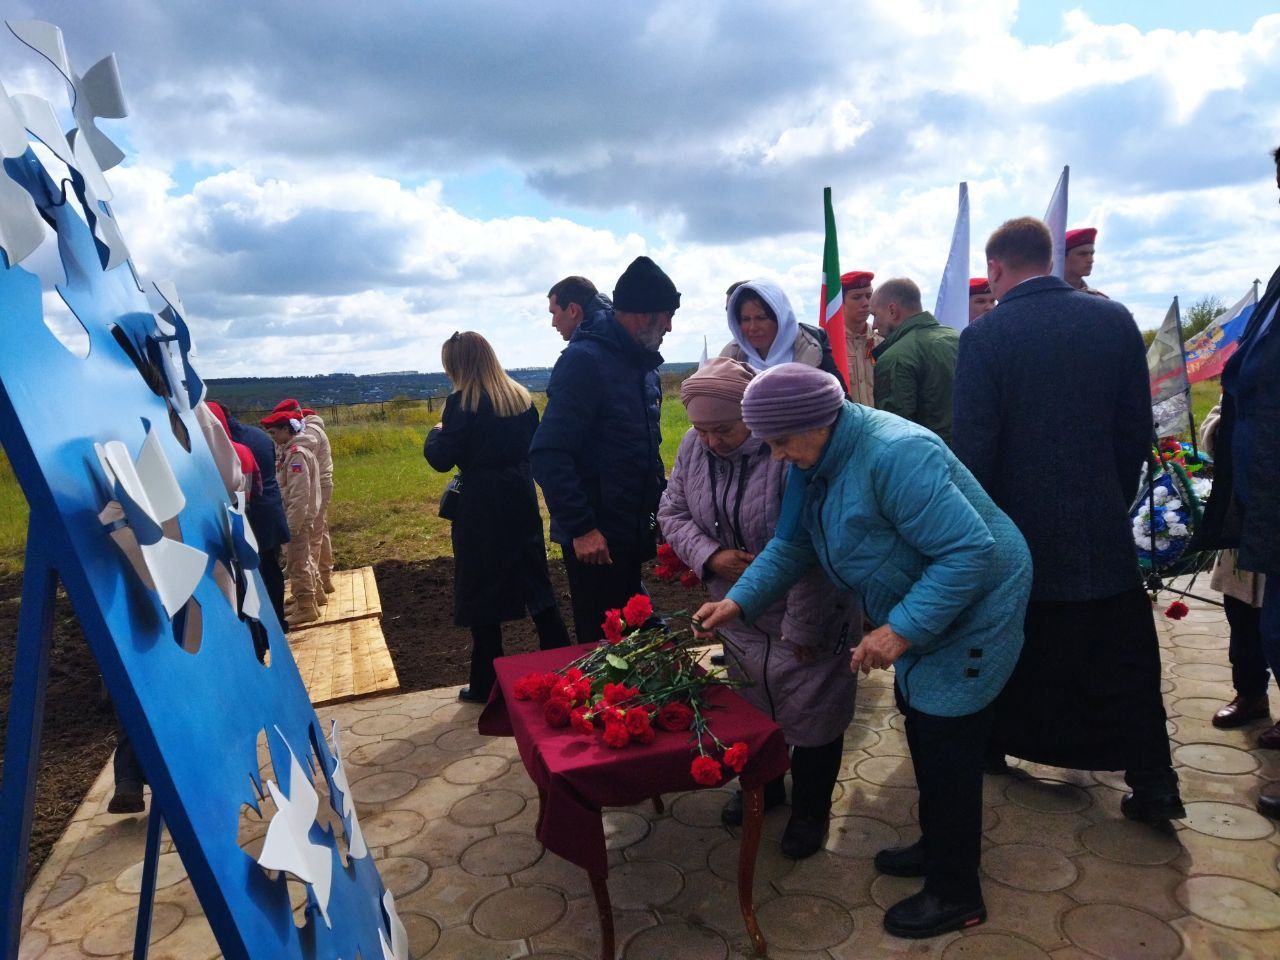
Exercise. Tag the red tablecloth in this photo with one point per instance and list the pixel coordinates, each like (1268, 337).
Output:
(577, 775)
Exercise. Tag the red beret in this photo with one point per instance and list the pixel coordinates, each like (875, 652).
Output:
(287, 405)
(216, 409)
(278, 418)
(1076, 238)
(307, 412)
(979, 285)
(856, 279)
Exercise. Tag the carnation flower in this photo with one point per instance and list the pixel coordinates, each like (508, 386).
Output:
(615, 693)
(735, 758)
(1177, 610)
(543, 684)
(638, 609)
(616, 735)
(556, 712)
(521, 690)
(675, 716)
(706, 771)
(637, 719)
(612, 626)
(580, 720)
(689, 580)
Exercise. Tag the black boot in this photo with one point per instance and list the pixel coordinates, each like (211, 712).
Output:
(926, 914)
(775, 795)
(1152, 808)
(813, 780)
(805, 834)
(1154, 798)
(902, 861)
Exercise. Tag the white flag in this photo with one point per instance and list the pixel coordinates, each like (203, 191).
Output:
(952, 309)
(1055, 219)
(702, 362)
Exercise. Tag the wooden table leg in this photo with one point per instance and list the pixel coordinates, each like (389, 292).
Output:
(600, 887)
(752, 816)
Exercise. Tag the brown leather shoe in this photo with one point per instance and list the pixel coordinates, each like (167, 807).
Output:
(1242, 710)
(1269, 806)
(1269, 739)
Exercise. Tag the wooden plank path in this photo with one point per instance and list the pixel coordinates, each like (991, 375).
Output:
(343, 655)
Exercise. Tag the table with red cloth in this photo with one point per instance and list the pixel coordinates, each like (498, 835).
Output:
(577, 775)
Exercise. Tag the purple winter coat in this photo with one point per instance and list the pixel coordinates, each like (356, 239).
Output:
(811, 702)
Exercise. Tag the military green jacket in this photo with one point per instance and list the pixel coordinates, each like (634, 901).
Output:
(914, 369)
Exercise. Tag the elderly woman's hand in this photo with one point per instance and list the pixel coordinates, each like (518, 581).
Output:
(712, 615)
(730, 564)
(878, 650)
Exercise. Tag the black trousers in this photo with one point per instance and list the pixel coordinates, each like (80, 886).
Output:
(947, 755)
(273, 580)
(486, 646)
(813, 777)
(1249, 672)
(595, 588)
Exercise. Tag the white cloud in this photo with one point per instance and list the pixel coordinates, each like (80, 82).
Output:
(289, 171)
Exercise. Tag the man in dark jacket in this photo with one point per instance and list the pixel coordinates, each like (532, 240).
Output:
(596, 452)
(1244, 507)
(916, 361)
(1053, 416)
(265, 511)
(568, 302)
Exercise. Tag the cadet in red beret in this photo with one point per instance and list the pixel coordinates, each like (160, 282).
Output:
(299, 476)
(1079, 261)
(859, 338)
(981, 300)
(286, 405)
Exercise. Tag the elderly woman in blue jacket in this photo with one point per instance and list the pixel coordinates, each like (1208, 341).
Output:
(890, 513)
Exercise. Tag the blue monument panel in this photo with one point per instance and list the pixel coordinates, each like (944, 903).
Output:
(193, 713)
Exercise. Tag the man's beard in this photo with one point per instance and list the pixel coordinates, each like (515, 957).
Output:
(651, 336)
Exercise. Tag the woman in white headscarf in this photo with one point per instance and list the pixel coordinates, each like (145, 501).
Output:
(766, 332)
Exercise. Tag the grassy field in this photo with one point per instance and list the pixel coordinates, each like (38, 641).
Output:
(385, 494)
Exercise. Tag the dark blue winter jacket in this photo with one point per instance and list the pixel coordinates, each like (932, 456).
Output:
(595, 454)
(265, 510)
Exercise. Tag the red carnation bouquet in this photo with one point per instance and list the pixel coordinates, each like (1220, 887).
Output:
(638, 681)
(670, 567)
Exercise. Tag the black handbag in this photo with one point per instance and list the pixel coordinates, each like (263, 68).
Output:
(449, 499)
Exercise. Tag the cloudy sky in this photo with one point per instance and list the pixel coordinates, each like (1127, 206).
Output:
(339, 186)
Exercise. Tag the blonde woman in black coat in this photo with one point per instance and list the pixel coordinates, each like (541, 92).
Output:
(499, 554)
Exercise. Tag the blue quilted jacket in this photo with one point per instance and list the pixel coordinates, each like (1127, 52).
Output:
(596, 454)
(891, 514)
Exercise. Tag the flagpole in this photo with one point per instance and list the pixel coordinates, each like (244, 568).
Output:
(1191, 415)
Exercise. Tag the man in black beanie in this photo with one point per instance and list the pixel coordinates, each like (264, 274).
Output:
(596, 452)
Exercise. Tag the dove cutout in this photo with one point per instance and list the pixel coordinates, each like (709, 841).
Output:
(356, 847)
(288, 845)
(149, 495)
(398, 948)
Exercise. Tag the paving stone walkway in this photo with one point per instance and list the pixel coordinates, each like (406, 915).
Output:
(450, 816)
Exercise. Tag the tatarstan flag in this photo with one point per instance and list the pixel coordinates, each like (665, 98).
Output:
(831, 300)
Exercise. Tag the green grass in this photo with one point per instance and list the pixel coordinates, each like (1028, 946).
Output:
(1204, 395)
(385, 494)
(13, 519)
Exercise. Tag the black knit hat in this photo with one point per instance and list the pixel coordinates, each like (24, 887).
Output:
(644, 288)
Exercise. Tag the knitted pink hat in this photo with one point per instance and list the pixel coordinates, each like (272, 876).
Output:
(712, 394)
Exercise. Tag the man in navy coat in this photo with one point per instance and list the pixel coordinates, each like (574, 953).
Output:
(1052, 413)
(1244, 508)
(596, 453)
